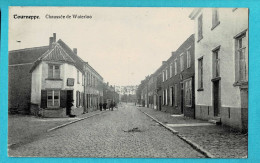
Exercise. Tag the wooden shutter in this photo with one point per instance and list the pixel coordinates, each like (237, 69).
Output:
(43, 99)
(63, 98)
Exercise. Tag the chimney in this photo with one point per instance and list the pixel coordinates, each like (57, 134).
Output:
(75, 51)
(50, 43)
(173, 53)
(54, 37)
(163, 62)
(107, 83)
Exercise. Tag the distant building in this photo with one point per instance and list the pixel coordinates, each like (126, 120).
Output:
(221, 65)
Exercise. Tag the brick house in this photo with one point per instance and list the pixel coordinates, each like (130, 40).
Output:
(221, 65)
(57, 75)
(178, 80)
(19, 78)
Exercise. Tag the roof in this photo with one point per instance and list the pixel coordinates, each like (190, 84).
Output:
(28, 55)
(56, 53)
(79, 63)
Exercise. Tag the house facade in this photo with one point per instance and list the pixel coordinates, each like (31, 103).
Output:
(178, 81)
(221, 65)
(58, 79)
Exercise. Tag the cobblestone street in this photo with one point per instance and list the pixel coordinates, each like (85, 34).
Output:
(124, 132)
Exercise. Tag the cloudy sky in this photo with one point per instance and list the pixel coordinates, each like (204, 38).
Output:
(122, 44)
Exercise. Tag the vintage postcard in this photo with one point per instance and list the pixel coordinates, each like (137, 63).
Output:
(128, 82)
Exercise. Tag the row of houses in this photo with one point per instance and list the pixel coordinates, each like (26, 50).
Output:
(48, 80)
(207, 76)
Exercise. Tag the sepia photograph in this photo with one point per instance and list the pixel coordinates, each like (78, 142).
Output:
(128, 82)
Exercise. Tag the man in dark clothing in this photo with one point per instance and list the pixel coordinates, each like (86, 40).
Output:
(100, 106)
(105, 106)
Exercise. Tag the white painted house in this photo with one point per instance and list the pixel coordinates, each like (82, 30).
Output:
(55, 80)
(221, 65)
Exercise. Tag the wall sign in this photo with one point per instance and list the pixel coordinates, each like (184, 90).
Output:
(70, 82)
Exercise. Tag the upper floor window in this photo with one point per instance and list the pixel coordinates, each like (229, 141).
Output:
(200, 74)
(181, 62)
(170, 70)
(215, 64)
(175, 67)
(215, 18)
(83, 79)
(163, 77)
(78, 76)
(200, 27)
(166, 74)
(53, 71)
(241, 57)
(188, 58)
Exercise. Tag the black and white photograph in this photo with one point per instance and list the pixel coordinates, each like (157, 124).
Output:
(128, 82)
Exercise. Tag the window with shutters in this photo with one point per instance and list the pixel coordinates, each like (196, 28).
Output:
(241, 57)
(53, 71)
(200, 27)
(215, 18)
(188, 92)
(53, 98)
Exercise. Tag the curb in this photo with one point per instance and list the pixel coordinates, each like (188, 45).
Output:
(68, 123)
(191, 143)
(172, 130)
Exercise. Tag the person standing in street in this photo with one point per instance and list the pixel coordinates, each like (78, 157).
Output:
(100, 106)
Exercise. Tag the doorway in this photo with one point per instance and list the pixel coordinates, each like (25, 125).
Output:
(216, 98)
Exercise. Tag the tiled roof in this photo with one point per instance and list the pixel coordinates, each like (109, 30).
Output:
(56, 53)
(79, 63)
(28, 55)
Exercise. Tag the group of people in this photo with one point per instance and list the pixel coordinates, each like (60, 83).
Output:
(106, 106)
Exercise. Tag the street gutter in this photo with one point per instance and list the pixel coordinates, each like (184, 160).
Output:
(191, 143)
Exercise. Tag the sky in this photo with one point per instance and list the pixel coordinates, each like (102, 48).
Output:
(122, 44)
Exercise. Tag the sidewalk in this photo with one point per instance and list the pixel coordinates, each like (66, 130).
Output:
(220, 141)
(26, 128)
